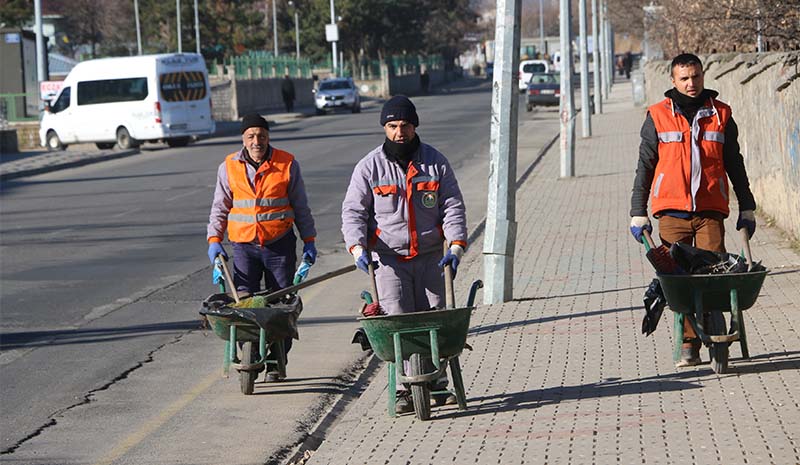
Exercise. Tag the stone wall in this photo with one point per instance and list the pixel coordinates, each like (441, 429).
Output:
(763, 90)
(237, 97)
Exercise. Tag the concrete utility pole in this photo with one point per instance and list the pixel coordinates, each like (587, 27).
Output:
(598, 98)
(567, 101)
(586, 111)
(178, 15)
(41, 72)
(296, 35)
(196, 27)
(604, 50)
(501, 225)
(541, 27)
(275, 28)
(138, 26)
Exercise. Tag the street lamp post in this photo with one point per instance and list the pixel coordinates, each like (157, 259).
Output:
(275, 28)
(196, 27)
(178, 15)
(333, 42)
(138, 27)
(296, 30)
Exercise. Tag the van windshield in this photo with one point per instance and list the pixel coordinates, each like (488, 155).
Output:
(182, 86)
(112, 90)
(534, 68)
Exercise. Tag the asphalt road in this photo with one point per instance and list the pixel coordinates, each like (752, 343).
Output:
(102, 358)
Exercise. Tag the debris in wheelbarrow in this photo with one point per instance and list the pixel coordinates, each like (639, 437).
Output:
(654, 303)
(280, 318)
(699, 261)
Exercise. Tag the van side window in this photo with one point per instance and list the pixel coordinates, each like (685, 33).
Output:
(63, 101)
(182, 86)
(112, 90)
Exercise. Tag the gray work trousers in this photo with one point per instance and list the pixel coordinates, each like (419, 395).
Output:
(411, 286)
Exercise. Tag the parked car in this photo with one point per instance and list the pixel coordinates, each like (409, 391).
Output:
(337, 93)
(527, 68)
(543, 89)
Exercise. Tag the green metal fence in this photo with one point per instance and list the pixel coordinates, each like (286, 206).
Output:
(261, 64)
(12, 107)
(397, 65)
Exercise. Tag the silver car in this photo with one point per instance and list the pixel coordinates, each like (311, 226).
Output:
(337, 93)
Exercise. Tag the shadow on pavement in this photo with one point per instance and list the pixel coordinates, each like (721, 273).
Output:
(512, 324)
(553, 395)
(33, 339)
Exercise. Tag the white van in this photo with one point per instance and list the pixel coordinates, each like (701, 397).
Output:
(130, 100)
(527, 68)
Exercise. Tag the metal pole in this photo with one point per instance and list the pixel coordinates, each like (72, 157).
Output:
(598, 98)
(567, 102)
(41, 71)
(275, 28)
(196, 27)
(296, 35)
(333, 44)
(541, 27)
(586, 111)
(138, 26)
(178, 15)
(604, 50)
(610, 52)
(501, 226)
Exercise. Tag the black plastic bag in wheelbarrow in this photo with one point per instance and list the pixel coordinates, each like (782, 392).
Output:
(699, 261)
(278, 319)
(654, 303)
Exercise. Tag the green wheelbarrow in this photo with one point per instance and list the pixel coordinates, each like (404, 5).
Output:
(703, 299)
(438, 335)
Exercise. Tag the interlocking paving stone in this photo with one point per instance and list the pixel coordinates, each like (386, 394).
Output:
(562, 374)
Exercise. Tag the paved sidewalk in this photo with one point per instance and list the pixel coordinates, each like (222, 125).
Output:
(562, 374)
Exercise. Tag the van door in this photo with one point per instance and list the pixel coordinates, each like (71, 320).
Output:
(184, 102)
(60, 116)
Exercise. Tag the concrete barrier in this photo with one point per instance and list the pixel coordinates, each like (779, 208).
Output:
(763, 90)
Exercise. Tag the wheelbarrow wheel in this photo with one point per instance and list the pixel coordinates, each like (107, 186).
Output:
(420, 393)
(247, 379)
(718, 351)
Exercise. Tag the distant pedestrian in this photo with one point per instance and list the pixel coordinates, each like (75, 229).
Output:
(627, 63)
(425, 81)
(259, 198)
(287, 91)
(689, 148)
(403, 203)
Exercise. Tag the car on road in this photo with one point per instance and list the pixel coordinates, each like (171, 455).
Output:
(337, 93)
(527, 68)
(543, 89)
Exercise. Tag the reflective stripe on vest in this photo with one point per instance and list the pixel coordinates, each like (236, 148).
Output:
(690, 174)
(261, 212)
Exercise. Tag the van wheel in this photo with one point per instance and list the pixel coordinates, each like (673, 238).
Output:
(54, 143)
(178, 142)
(105, 145)
(320, 112)
(124, 139)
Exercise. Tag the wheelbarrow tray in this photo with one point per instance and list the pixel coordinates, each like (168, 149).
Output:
(451, 327)
(279, 320)
(715, 290)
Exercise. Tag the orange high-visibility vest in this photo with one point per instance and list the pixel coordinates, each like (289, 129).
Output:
(264, 214)
(690, 174)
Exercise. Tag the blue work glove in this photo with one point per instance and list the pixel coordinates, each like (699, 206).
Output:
(640, 224)
(452, 258)
(362, 259)
(217, 277)
(302, 272)
(214, 249)
(747, 219)
(309, 252)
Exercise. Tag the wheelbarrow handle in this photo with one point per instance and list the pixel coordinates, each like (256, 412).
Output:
(648, 241)
(373, 283)
(270, 297)
(228, 278)
(449, 293)
(747, 254)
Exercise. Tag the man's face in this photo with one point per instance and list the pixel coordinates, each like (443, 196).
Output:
(399, 131)
(256, 141)
(688, 79)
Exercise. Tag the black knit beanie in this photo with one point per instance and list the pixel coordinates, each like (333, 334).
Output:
(253, 121)
(399, 108)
